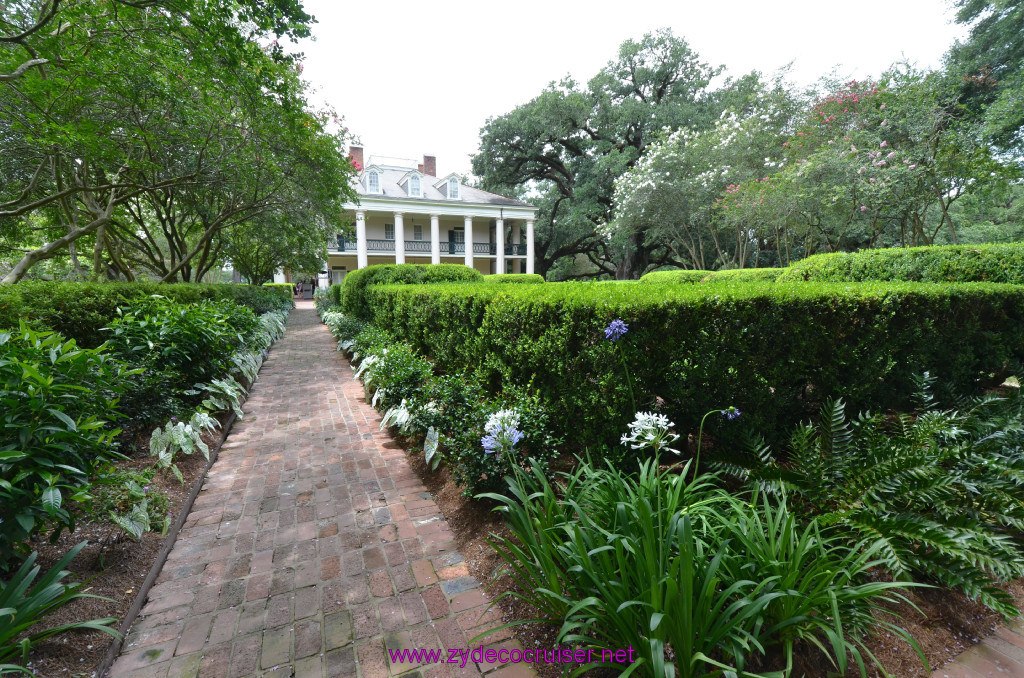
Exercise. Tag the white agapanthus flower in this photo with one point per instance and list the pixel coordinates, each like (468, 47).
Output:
(650, 430)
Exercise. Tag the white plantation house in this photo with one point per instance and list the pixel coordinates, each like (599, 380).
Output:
(407, 214)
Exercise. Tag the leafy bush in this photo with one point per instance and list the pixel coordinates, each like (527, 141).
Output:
(372, 341)
(517, 278)
(26, 601)
(776, 352)
(951, 263)
(335, 293)
(80, 311)
(398, 375)
(323, 300)
(126, 498)
(942, 492)
(462, 444)
(190, 343)
(55, 403)
(728, 275)
(352, 296)
(343, 327)
(698, 582)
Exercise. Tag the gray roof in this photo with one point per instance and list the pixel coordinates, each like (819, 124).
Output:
(391, 175)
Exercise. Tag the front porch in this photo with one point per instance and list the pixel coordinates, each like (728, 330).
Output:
(489, 238)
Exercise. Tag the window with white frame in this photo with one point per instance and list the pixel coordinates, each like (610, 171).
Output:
(389, 231)
(372, 182)
(453, 189)
(414, 186)
(417, 232)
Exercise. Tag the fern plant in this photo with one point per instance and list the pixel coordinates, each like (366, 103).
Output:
(942, 491)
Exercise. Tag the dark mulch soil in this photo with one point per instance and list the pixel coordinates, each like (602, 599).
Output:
(114, 565)
(947, 624)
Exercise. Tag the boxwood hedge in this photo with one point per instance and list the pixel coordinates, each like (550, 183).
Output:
(80, 310)
(729, 275)
(504, 278)
(776, 352)
(352, 294)
(953, 263)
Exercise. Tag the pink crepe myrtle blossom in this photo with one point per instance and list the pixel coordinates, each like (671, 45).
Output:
(863, 208)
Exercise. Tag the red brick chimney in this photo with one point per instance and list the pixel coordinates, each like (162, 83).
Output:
(356, 153)
(420, 167)
(430, 165)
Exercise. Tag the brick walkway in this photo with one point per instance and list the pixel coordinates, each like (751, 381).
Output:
(312, 547)
(1001, 654)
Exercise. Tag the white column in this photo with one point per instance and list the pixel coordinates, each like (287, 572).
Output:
(499, 236)
(360, 239)
(529, 246)
(435, 239)
(399, 239)
(468, 233)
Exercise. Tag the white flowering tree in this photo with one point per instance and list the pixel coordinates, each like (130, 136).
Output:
(670, 194)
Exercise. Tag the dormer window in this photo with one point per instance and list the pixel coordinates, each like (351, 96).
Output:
(453, 189)
(372, 182)
(414, 186)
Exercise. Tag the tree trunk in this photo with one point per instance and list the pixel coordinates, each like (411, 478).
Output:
(635, 259)
(51, 249)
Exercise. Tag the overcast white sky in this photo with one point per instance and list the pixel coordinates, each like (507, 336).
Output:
(415, 78)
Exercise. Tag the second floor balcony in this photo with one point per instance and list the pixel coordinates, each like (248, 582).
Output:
(341, 244)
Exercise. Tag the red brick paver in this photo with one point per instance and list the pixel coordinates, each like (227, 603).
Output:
(1001, 654)
(299, 557)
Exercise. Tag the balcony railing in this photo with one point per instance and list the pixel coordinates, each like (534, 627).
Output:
(340, 244)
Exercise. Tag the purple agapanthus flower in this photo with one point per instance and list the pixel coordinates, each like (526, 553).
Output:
(615, 330)
(502, 432)
(731, 413)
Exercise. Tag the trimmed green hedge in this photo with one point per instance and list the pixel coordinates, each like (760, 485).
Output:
(775, 352)
(284, 289)
(521, 278)
(731, 275)
(352, 295)
(80, 310)
(951, 263)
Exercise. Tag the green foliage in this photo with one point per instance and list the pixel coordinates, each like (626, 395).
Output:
(352, 295)
(222, 395)
(55, 403)
(190, 343)
(173, 71)
(657, 561)
(521, 278)
(951, 263)
(335, 292)
(728, 275)
(774, 351)
(345, 328)
(80, 311)
(940, 492)
(398, 375)
(462, 449)
(323, 300)
(181, 437)
(26, 600)
(126, 498)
